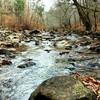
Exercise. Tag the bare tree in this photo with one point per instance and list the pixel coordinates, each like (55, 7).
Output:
(84, 17)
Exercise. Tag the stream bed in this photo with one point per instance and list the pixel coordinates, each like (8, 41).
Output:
(18, 84)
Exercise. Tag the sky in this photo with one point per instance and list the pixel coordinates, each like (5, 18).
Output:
(48, 4)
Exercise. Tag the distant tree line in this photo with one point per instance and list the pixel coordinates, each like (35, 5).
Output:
(21, 13)
(83, 13)
(65, 14)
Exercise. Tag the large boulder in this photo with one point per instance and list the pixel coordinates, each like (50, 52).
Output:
(62, 88)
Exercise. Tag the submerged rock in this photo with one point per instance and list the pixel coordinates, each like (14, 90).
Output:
(27, 64)
(62, 88)
(70, 68)
(48, 51)
(27, 59)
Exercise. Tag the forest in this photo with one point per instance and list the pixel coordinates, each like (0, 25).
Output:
(49, 49)
(64, 14)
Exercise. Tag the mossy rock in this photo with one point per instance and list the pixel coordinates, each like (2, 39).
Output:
(62, 88)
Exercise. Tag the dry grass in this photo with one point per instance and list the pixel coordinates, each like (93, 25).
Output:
(12, 23)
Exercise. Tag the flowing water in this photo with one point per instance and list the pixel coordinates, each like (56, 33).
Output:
(18, 84)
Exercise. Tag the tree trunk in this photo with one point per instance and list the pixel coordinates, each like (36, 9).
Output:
(95, 18)
(75, 21)
(95, 22)
(83, 16)
(69, 23)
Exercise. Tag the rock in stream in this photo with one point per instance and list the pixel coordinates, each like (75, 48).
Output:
(62, 88)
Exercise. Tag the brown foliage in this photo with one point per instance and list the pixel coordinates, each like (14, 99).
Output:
(80, 27)
(91, 83)
(12, 23)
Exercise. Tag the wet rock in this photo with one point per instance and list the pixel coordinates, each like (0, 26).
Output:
(54, 32)
(63, 53)
(28, 40)
(9, 45)
(7, 53)
(62, 88)
(62, 44)
(84, 41)
(75, 46)
(68, 47)
(71, 59)
(48, 51)
(70, 68)
(12, 56)
(72, 37)
(61, 60)
(95, 35)
(21, 48)
(4, 61)
(97, 65)
(14, 38)
(95, 43)
(25, 32)
(47, 36)
(27, 64)
(52, 35)
(41, 97)
(37, 42)
(7, 83)
(4, 52)
(92, 48)
(34, 32)
(3, 34)
(97, 49)
(26, 60)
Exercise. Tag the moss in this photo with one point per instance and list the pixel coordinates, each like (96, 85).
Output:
(78, 88)
(80, 91)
